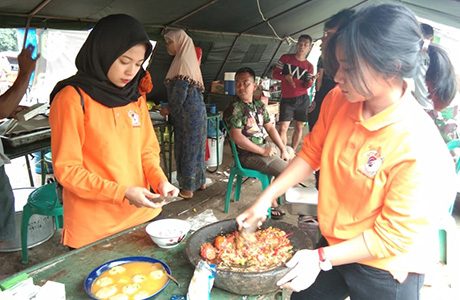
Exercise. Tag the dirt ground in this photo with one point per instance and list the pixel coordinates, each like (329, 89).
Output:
(212, 198)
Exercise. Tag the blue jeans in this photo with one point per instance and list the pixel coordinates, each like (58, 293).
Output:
(361, 282)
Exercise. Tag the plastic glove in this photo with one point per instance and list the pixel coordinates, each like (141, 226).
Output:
(305, 269)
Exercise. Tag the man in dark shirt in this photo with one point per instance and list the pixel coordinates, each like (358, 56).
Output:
(296, 75)
(327, 83)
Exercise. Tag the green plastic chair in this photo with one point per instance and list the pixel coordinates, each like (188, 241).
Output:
(42, 201)
(452, 145)
(447, 231)
(239, 171)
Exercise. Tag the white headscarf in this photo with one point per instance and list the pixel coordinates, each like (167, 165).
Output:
(185, 62)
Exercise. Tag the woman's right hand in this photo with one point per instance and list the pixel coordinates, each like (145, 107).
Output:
(269, 150)
(141, 197)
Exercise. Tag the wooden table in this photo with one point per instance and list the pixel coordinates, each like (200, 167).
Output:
(72, 268)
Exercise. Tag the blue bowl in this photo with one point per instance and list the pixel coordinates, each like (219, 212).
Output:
(94, 274)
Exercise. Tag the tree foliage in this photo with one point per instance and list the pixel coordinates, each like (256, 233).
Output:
(8, 39)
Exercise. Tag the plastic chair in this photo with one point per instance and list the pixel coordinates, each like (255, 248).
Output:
(448, 229)
(42, 201)
(239, 171)
(452, 145)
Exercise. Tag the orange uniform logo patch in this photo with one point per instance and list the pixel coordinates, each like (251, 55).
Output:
(135, 119)
(370, 163)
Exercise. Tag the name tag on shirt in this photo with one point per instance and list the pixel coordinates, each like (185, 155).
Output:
(135, 119)
(370, 163)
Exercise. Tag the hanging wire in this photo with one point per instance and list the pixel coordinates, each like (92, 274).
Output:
(288, 39)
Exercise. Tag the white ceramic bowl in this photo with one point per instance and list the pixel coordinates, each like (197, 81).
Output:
(168, 233)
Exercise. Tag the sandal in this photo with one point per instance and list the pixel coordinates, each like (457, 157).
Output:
(202, 187)
(186, 194)
(277, 213)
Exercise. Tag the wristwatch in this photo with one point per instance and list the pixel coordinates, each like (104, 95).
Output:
(324, 263)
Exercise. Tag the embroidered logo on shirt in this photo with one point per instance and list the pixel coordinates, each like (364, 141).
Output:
(135, 120)
(371, 163)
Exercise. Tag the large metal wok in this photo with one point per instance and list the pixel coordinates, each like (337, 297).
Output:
(244, 283)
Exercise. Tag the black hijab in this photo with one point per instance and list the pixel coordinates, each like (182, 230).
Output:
(111, 37)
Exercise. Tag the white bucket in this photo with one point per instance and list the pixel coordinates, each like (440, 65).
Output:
(302, 201)
(212, 143)
(229, 76)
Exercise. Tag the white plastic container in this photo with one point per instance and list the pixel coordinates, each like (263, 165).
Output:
(302, 200)
(212, 143)
(229, 83)
(202, 281)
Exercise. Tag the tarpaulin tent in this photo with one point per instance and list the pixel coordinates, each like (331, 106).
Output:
(232, 33)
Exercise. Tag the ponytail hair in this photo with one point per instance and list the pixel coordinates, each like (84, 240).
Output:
(385, 37)
(440, 78)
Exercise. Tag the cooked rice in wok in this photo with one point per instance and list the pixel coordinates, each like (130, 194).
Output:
(269, 248)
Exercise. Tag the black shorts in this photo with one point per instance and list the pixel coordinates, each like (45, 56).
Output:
(294, 109)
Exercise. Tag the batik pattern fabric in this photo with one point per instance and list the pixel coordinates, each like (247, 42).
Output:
(188, 116)
(250, 118)
(447, 123)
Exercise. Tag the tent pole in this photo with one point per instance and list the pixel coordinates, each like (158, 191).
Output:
(324, 21)
(275, 16)
(29, 18)
(39, 7)
(191, 13)
(26, 32)
(273, 56)
(227, 56)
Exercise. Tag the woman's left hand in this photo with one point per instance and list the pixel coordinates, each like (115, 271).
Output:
(166, 189)
(141, 197)
(304, 270)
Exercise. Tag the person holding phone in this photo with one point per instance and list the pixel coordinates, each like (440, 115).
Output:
(296, 75)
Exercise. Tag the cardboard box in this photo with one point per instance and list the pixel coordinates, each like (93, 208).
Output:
(217, 87)
(273, 108)
(32, 111)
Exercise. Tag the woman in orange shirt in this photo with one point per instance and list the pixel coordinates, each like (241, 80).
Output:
(386, 174)
(105, 152)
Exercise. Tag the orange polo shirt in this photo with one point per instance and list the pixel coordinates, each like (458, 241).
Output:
(97, 154)
(387, 178)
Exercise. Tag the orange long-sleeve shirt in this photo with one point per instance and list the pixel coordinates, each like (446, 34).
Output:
(387, 178)
(98, 153)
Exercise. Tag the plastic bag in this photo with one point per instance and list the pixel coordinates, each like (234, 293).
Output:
(202, 281)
